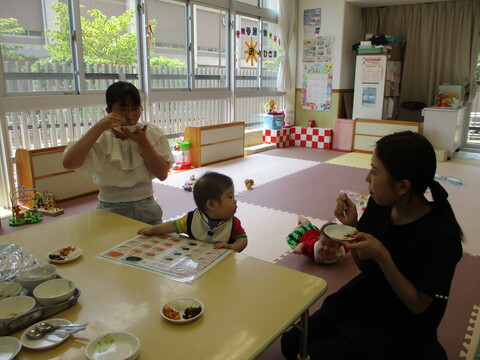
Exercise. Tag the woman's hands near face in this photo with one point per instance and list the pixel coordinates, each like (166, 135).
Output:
(139, 135)
(112, 120)
(346, 210)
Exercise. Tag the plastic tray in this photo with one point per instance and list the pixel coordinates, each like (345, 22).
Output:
(39, 312)
(370, 51)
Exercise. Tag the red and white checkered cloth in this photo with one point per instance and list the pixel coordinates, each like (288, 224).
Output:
(281, 138)
(319, 138)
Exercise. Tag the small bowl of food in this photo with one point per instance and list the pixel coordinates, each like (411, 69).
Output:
(340, 232)
(9, 289)
(33, 276)
(114, 345)
(182, 310)
(54, 291)
(15, 306)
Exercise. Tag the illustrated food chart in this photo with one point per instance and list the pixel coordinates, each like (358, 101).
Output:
(177, 258)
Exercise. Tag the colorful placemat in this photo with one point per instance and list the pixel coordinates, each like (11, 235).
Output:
(176, 258)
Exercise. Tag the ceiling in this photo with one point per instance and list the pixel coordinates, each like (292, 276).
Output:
(379, 3)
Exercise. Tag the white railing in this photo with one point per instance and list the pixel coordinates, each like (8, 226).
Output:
(24, 76)
(46, 128)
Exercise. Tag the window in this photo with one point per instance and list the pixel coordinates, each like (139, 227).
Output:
(257, 46)
(109, 42)
(247, 52)
(167, 44)
(271, 54)
(33, 60)
(210, 54)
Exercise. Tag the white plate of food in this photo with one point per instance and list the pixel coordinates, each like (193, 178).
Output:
(9, 347)
(49, 340)
(182, 310)
(64, 255)
(114, 346)
(340, 232)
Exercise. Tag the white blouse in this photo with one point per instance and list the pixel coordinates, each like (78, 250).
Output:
(118, 167)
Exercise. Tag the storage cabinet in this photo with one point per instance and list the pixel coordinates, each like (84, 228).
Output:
(42, 169)
(368, 131)
(443, 127)
(215, 143)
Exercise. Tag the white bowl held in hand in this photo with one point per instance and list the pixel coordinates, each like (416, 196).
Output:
(15, 306)
(32, 277)
(54, 291)
(114, 346)
(339, 232)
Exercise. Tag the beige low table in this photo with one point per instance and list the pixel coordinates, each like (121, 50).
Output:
(248, 302)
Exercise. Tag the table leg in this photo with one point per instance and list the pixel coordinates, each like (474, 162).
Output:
(303, 337)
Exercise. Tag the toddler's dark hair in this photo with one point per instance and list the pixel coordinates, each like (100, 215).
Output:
(210, 186)
(125, 93)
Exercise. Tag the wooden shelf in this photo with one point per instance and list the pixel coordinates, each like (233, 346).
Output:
(42, 169)
(368, 131)
(215, 143)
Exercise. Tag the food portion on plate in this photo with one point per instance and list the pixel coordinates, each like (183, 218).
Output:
(65, 254)
(182, 310)
(340, 232)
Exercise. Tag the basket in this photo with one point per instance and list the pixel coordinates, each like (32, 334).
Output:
(273, 122)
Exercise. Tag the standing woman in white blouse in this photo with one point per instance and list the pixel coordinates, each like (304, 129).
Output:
(123, 156)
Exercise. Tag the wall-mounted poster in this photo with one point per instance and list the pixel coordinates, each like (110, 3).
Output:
(317, 73)
(317, 86)
(312, 19)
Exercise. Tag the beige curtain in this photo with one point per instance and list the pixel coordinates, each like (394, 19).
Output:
(442, 46)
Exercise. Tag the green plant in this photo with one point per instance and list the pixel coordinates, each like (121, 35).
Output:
(10, 26)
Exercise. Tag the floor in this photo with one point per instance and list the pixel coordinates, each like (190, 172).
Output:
(295, 180)
(292, 181)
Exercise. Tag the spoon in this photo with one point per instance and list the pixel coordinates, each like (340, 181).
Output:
(47, 327)
(35, 334)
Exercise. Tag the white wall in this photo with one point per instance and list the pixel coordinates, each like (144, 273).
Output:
(342, 21)
(352, 26)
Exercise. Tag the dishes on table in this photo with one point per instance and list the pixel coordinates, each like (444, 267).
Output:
(14, 306)
(55, 291)
(114, 346)
(64, 255)
(340, 232)
(182, 310)
(30, 277)
(9, 289)
(9, 347)
(49, 340)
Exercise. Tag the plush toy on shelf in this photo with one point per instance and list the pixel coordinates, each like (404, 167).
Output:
(271, 107)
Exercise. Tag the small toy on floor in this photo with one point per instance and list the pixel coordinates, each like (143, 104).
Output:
(249, 184)
(308, 240)
(189, 184)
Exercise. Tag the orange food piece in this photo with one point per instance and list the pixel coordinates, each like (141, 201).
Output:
(171, 313)
(67, 250)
